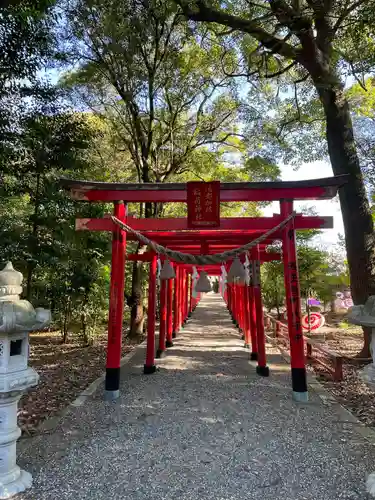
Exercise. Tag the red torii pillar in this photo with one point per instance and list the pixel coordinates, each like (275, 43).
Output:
(169, 341)
(246, 315)
(253, 322)
(187, 296)
(191, 298)
(175, 302)
(225, 292)
(262, 368)
(234, 305)
(240, 310)
(163, 319)
(149, 366)
(293, 302)
(180, 298)
(116, 306)
(229, 297)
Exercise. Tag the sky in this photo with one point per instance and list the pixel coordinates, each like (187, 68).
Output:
(315, 170)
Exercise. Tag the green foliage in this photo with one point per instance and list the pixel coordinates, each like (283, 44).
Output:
(64, 270)
(320, 273)
(273, 285)
(361, 96)
(26, 45)
(25, 41)
(163, 87)
(159, 85)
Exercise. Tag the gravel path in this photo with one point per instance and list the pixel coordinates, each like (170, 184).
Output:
(203, 427)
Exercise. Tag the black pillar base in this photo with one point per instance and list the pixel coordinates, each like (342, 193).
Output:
(242, 336)
(168, 343)
(147, 370)
(112, 379)
(160, 353)
(263, 371)
(189, 315)
(299, 382)
(246, 346)
(174, 335)
(254, 356)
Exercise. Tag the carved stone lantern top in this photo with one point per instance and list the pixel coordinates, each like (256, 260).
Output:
(10, 283)
(364, 314)
(17, 315)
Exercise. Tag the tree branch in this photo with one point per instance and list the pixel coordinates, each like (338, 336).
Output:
(281, 72)
(201, 12)
(348, 11)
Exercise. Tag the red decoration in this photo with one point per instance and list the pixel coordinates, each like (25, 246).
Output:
(317, 321)
(203, 200)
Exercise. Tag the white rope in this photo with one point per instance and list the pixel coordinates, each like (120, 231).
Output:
(186, 258)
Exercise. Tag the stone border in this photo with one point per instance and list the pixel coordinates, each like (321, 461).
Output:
(89, 391)
(347, 416)
(328, 399)
(49, 425)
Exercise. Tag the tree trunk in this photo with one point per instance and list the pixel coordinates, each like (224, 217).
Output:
(136, 302)
(84, 323)
(33, 242)
(29, 280)
(136, 299)
(277, 300)
(67, 311)
(358, 224)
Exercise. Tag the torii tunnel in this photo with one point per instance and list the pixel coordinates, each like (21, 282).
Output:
(176, 298)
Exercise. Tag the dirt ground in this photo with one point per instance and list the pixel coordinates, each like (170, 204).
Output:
(352, 393)
(65, 370)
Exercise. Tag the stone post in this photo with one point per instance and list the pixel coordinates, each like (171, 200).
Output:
(17, 319)
(364, 315)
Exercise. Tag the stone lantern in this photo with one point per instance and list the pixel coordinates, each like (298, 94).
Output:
(17, 319)
(364, 315)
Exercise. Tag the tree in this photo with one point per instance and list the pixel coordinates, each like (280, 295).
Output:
(316, 41)
(26, 44)
(40, 141)
(159, 86)
(45, 144)
(25, 41)
(63, 270)
(273, 287)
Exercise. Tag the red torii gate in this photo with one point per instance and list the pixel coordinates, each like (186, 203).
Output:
(174, 315)
(233, 232)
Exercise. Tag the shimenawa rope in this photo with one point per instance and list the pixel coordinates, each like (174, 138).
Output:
(186, 258)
